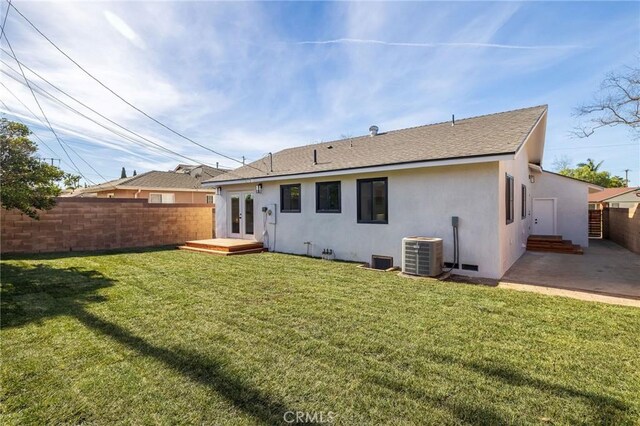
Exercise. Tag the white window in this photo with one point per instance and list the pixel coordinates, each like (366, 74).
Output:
(162, 198)
(210, 199)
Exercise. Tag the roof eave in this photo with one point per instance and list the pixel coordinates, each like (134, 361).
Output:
(148, 188)
(484, 158)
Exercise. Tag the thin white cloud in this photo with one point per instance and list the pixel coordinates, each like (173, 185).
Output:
(463, 45)
(229, 75)
(125, 30)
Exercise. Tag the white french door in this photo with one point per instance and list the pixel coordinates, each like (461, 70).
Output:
(241, 215)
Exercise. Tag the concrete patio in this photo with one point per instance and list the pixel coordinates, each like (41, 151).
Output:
(605, 268)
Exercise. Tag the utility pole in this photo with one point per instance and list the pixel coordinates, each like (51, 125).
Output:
(626, 177)
(52, 160)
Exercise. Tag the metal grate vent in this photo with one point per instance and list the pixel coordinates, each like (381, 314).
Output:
(381, 262)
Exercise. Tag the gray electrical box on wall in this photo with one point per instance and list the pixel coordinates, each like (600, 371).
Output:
(271, 214)
(454, 221)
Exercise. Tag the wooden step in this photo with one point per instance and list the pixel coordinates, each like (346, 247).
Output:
(225, 245)
(552, 244)
(223, 252)
(545, 237)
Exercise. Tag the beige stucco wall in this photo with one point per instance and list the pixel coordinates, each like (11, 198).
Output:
(629, 200)
(180, 196)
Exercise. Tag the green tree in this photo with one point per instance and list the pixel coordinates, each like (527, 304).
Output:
(589, 171)
(123, 173)
(28, 184)
(591, 165)
(71, 182)
(135, 173)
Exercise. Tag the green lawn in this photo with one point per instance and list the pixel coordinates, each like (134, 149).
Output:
(173, 337)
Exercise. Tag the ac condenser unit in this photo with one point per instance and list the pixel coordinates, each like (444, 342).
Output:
(422, 256)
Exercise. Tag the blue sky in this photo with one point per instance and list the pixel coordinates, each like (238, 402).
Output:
(249, 78)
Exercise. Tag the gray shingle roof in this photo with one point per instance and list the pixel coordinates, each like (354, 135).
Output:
(499, 133)
(157, 179)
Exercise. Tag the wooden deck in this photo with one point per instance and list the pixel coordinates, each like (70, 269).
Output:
(552, 244)
(224, 246)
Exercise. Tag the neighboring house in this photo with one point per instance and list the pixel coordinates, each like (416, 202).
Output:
(182, 185)
(615, 197)
(360, 196)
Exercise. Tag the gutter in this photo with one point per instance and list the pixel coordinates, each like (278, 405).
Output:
(484, 158)
(136, 188)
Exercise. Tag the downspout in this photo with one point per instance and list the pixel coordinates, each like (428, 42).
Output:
(136, 194)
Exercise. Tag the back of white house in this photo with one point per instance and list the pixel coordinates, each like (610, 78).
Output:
(357, 198)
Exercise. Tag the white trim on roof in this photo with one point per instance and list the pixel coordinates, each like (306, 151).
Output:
(159, 188)
(589, 184)
(526, 138)
(367, 169)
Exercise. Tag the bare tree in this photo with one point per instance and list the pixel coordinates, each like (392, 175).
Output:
(561, 163)
(617, 103)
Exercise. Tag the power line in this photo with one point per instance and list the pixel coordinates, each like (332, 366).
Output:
(95, 112)
(594, 146)
(53, 97)
(35, 98)
(45, 144)
(6, 15)
(49, 95)
(34, 134)
(123, 99)
(68, 146)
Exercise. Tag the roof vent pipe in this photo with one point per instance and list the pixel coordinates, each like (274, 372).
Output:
(315, 157)
(373, 130)
(453, 120)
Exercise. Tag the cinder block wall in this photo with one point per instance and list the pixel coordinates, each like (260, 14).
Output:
(624, 227)
(76, 224)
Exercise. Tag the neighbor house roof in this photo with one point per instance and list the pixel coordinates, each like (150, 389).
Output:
(185, 180)
(493, 134)
(607, 193)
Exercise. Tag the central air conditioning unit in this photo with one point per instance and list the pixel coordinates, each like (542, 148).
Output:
(422, 256)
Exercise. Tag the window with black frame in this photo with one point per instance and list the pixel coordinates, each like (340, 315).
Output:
(290, 198)
(509, 198)
(524, 202)
(373, 201)
(328, 197)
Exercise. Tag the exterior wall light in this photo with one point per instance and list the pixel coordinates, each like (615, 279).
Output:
(218, 190)
(259, 188)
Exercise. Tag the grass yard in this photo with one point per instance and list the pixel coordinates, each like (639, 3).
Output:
(173, 337)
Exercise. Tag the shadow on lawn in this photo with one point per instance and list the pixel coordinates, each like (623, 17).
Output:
(31, 294)
(608, 409)
(86, 253)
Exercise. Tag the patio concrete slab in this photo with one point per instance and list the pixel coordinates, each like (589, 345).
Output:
(580, 295)
(604, 268)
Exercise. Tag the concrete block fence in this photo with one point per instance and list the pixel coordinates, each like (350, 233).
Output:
(622, 226)
(76, 224)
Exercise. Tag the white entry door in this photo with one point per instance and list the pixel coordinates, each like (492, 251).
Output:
(544, 216)
(241, 215)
